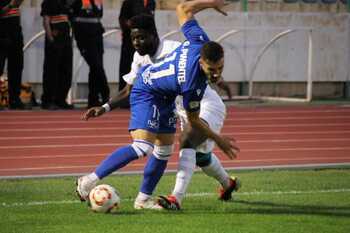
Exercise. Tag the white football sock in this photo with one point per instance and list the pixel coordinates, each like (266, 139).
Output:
(142, 197)
(217, 171)
(93, 177)
(186, 166)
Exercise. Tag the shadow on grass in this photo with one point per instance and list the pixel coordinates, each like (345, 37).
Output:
(265, 207)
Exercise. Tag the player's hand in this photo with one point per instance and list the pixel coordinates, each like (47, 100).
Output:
(93, 112)
(228, 147)
(220, 11)
(219, 5)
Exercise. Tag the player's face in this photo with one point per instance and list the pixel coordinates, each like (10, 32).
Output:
(212, 70)
(143, 41)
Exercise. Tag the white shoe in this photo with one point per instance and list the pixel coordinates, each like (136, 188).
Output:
(84, 186)
(147, 204)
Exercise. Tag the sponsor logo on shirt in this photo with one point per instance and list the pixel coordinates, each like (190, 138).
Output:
(172, 121)
(153, 124)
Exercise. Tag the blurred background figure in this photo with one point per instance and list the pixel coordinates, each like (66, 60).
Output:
(57, 71)
(129, 9)
(11, 48)
(88, 32)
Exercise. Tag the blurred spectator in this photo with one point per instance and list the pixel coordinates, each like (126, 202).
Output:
(57, 73)
(11, 48)
(88, 32)
(129, 9)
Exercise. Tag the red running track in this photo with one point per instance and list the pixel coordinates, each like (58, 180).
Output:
(44, 143)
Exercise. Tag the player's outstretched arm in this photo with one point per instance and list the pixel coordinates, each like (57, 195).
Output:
(113, 103)
(186, 10)
(225, 144)
(122, 95)
(93, 112)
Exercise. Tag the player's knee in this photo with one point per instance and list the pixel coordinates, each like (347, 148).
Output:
(203, 159)
(142, 148)
(163, 152)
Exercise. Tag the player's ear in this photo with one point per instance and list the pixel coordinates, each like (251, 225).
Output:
(201, 61)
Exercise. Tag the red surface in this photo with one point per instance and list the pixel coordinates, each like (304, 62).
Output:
(58, 142)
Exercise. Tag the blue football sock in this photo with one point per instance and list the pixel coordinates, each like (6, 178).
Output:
(118, 159)
(153, 171)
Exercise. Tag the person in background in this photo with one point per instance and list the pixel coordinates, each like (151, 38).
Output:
(58, 59)
(129, 9)
(88, 32)
(11, 48)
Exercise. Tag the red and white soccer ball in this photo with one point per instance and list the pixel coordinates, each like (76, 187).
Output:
(104, 199)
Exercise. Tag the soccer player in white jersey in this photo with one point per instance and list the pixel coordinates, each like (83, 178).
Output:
(85, 183)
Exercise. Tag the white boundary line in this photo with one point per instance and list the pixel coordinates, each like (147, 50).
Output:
(226, 127)
(232, 118)
(258, 193)
(134, 165)
(236, 110)
(86, 155)
(123, 143)
(128, 136)
(236, 168)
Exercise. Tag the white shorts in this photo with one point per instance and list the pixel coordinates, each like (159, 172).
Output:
(212, 111)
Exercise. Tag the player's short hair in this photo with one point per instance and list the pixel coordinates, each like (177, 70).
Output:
(212, 51)
(145, 22)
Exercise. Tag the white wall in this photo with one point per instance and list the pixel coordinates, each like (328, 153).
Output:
(286, 60)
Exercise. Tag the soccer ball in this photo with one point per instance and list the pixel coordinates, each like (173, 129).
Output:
(104, 199)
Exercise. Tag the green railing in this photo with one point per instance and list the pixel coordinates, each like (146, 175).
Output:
(245, 5)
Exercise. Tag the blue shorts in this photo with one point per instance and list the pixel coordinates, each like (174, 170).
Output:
(151, 113)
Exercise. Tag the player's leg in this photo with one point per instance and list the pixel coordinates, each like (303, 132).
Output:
(142, 146)
(157, 162)
(144, 136)
(189, 140)
(213, 112)
(212, 167)
(154, 170)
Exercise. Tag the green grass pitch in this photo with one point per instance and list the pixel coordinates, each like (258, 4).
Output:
(281, 201)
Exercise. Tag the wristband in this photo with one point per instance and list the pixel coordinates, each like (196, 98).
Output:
(107, 107)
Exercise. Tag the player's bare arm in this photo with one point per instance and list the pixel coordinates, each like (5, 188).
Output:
(113, 103)
(224, 144)
(186, 10)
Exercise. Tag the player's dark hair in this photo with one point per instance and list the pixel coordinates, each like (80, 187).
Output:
(212, 51)
(145, 22)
